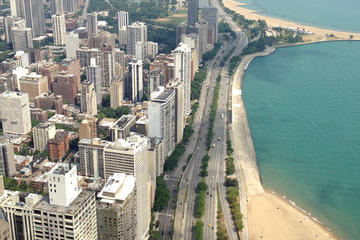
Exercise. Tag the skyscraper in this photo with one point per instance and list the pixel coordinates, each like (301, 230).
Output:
(136, 32)
(21, 38)
(33, 13)
(161, 116)
(210, 15)
(123, 19)
(116, 91)
(193, 12)
(123, 23)
(136, 80)
(7, 159)
(15, 122)
(91, 153)
(130, 156)
(116, 208)
(178, 86)
(180, 30)
(68, 212)
(72, 44)
(92, 24)
(11, 22)
(59, 28)
(93, 74)
(56, 7)
(88, 98)
(182, 71)
(41, 134)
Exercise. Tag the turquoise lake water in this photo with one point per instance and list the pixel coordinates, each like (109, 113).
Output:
(333, 14)
(303, 106)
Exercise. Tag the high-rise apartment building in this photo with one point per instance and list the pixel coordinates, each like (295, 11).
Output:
(182, 61)
(162, 118)
(210, 15)
(123, 19)
(12, 22)
(7, 159)
(56, 7)
(65, 84)
(92, 24)
(156, 152)
(33, 13)
(88, 98)
(33, 84)
(68, 212)
(178, 86)
(50, 70)
(19, 210)
(130, 156)
(193, 12)
(72, 44)
(42, 133)
(116, 91)
(122, 127)
(91, 152)
(155, 79)
(116, 208)
(135, 86)
(22, 39)
(93, 74)
(136, 32)
(15, 122)
(88, 128)
(140, 51)
(151, 49)
(59, 28)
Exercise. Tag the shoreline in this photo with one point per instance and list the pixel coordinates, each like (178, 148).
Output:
(266, 201)
(319, 34)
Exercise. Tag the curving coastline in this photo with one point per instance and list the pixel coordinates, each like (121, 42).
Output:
(267, 215)
(319, 34)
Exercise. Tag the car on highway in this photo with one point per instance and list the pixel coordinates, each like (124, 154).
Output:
(218, 138)
(213, 145)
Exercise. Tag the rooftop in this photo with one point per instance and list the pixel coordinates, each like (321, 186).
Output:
(123, 121)
(61, 169)
(44, 204)
(161, 95)
(10, 94)
(118, 187)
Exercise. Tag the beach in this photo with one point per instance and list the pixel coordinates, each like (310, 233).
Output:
(267, 216)
(272, 217)
(319, 34)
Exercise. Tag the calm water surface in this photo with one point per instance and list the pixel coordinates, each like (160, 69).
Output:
(333, 14)
(303, 105)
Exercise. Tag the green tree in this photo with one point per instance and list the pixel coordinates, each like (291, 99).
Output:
(162, 194)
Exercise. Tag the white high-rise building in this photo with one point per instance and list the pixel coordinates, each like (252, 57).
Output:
(93, 74)
(116, 208)
(178, 86)
(136, 32)
(182, 71)
(72, 44)
(140, 51)
(130, 156)
(123, 19)
(91, 153)
(59, 27)
(92, 24)
(63, 185)
(15, 122)
(11, 22)
(162, 118)
(136, 83)
(41, 134)
(68, 212)
(152, 49)
(88, 98)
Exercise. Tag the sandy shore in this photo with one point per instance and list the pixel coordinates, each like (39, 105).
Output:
(319, 33)
(273, 217)
(268, 215)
